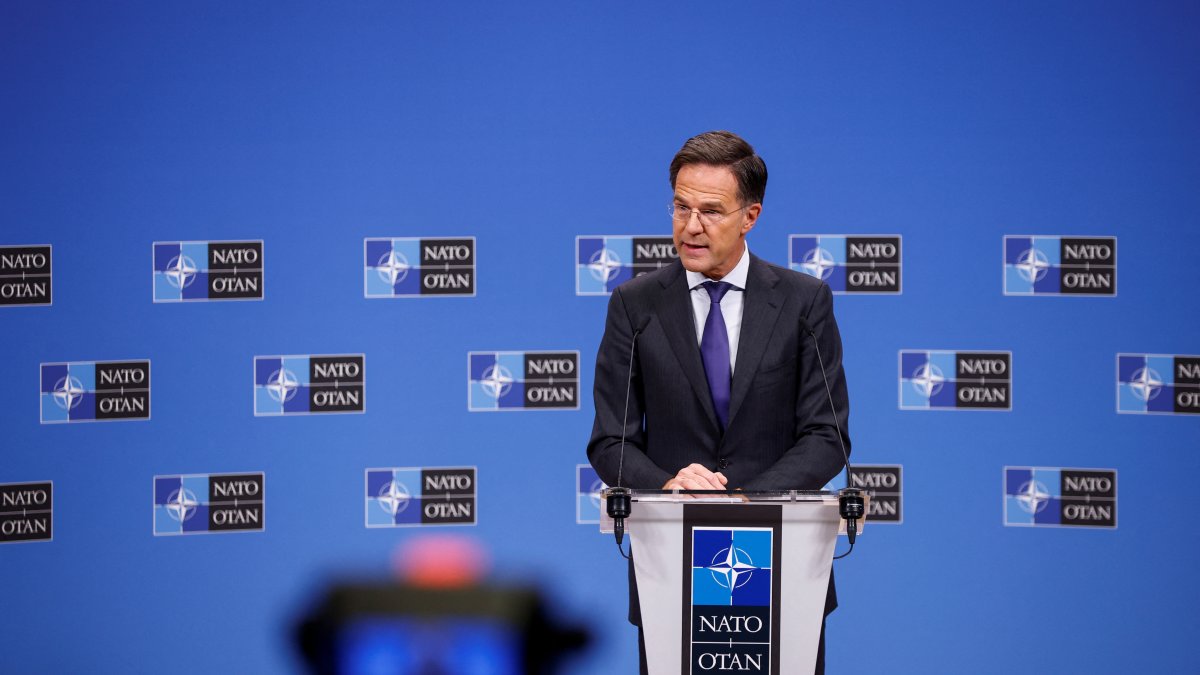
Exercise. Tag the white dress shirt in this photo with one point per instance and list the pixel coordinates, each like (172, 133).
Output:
(731, 304)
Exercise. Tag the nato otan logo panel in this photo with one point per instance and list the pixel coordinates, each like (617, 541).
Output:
(309, 384)
(948, 380)
(421, 496)
(603, 262)
(413, 267)
(731, 599)
(522, 381)
(587, 494)
(1055, 265)
(1158, 384)
(26, 512)
(95, 391)
(209, 503)
(886, 485)
(849, 264)
(204, 271)
(1057, 497)
(25, 277)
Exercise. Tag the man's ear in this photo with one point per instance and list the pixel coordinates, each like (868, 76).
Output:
(752, 213)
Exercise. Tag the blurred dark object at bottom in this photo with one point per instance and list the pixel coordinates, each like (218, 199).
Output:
(389, 628)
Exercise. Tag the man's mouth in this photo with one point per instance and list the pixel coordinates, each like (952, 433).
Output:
(692, 248)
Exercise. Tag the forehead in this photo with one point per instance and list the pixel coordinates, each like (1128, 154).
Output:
(705, 182)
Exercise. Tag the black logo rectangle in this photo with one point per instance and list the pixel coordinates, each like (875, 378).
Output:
(983, 380)
(448, 496)
(26, 512)
(122, 390)
(25, 277)
(551, 379)
(336, 384)
(235, 270)
(884, 483)
(447, 267)
(1088, 497)
(235, 502)
(1088, 265)
(873, 265)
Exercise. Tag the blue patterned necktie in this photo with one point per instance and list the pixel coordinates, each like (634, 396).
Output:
(714, 350)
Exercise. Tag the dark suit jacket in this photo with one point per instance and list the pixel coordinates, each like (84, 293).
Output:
(781, 433)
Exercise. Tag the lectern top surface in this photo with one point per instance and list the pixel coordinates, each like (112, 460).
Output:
(735, 495)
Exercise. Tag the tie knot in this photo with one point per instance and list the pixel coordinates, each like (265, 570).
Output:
(716, 290)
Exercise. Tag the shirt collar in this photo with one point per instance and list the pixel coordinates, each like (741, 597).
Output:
(736, 276)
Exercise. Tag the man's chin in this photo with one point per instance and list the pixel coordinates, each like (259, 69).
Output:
(699, 264)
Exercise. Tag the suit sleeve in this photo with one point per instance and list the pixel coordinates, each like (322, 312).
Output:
(816, 456)
(637, 470)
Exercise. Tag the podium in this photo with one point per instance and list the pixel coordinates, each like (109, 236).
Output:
(731, 581)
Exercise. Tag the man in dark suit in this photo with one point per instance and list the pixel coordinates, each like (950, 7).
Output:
(726, 388)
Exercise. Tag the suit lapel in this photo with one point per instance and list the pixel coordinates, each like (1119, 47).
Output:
(760, 311)
(675, 313)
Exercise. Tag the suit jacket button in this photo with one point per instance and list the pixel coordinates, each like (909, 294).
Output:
(722, 463)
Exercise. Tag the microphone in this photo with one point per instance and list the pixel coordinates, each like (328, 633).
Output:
(850, 499)
(619, 502)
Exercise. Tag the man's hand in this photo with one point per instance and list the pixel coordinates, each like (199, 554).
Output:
(696, 477)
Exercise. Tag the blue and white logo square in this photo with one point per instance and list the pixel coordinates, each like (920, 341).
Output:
(393, 497)
(522, 380)
(927, 380)
(1158, 384)
(180, 504)
(588, 487)
(732, 567)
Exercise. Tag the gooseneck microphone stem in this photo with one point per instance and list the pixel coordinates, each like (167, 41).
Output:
(625, 419)
(619, 502)
(850, 499)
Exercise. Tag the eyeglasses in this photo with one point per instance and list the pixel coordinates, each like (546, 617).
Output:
(708, 217)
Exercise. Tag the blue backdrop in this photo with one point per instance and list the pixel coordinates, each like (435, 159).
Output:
(313, 126)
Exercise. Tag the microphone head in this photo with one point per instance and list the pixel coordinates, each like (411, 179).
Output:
(850, 503)
(618, 502)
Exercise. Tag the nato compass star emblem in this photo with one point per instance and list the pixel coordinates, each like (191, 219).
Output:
(394, 498)
(1032, 265)
(393, 267)
(68, 392)
(1033, 497)
(604, 265)
(594, 492)
(1146, 384)
(181, 505)
(928, 379)
(496, 381)
(732, 567)
(282, 385)
(818, 263)
(181, 271)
